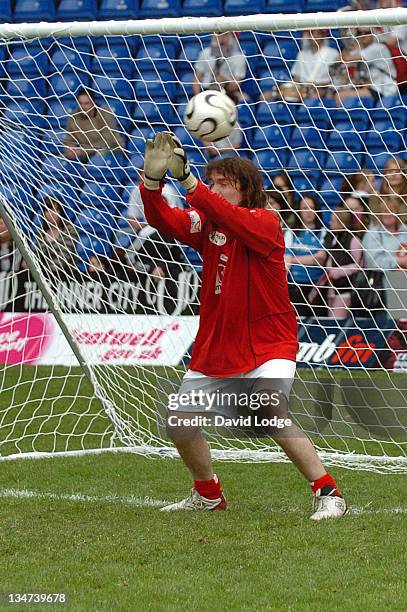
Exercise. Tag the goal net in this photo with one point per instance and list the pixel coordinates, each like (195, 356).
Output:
(98, 312)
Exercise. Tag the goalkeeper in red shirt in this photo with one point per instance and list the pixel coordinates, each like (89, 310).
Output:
(248, 328)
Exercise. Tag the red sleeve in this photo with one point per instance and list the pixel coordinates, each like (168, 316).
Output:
(185, 225)
(259, 229)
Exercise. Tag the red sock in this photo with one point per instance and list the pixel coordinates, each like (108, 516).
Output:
(325, 480)
(208, 488)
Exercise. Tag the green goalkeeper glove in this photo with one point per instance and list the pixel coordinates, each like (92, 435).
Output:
(179, 167)
(156, 161)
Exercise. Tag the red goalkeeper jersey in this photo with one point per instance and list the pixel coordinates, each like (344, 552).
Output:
(246, 317)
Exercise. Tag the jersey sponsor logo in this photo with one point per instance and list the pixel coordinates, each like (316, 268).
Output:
(220, 272)
(217, 238)
(196, 225)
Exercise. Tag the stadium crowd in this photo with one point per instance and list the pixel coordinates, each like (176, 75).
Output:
(362, 227)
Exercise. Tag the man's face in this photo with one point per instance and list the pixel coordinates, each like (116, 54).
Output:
(86, 103)
(226, 188)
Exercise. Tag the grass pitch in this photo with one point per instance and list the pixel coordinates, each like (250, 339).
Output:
(110, 553)
(90, 526)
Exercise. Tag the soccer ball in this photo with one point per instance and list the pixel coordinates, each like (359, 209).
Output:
(210, 116)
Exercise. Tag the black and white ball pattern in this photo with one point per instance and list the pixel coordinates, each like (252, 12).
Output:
(210, 116)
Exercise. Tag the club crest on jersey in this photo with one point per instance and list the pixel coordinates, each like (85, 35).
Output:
(217, 238)
(195, 222)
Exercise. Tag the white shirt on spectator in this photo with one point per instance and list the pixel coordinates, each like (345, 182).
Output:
(135, 209)
(381, 68)
(398, 31)
(310, 67)
(231, 68)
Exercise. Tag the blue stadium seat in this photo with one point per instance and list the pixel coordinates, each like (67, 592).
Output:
(340, 162)
(53, 139)
(186, 81)
(5, 11)
(156, 58)
(315, 6)
(276, 112)
(34, 89)
(383, 139)
(243, 7)
(113, 87)
(29, 11)
(77, 10)
(305, 159)
(305, 182)
(123, 112)
(245, 114)
(57, 169)
(282, 6)
(356, 110)
(27, 61)
(159, 8)
(20, 195)
(113, 61)
(187, 57)
(94, 222)
(25, 114)
(92, 245)
(281, 52)
(100, 195)
(59, 111)
(275, 136)
(307, 136)
(185, 137)
(71, 59)
(118, 9)
(376, 161)
(138, 137)
(202, 8)
(345, 138)
(152, 88)
(162, 112)
(105, 168)
(391, 109)
(315, 112)
(271, 161)
(25, 156)
(67, 83)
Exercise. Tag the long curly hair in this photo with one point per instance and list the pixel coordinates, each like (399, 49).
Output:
(244, 176)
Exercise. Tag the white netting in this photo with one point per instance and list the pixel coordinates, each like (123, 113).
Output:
(325, 113)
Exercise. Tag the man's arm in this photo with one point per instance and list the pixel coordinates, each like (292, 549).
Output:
(184, 225)
(259, 229)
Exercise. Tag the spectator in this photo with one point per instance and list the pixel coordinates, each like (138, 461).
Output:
(359, 210)
(56, 240)
(311, 67)
(226, 147)
(276, 201)
(360, 184)
(345, 258)
(396, 38)
(376, 70)
(91, 129)
(135, 210)
(385, 243)
(157, 255)
(221, 65)
(283, 183)
(305, 253)
(394, 183)
(10, 256)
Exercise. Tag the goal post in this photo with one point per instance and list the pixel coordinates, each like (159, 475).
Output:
(98, 312)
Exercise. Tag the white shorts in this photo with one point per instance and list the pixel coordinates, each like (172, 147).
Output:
(281, 369)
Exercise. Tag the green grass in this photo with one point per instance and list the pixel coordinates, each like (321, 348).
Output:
(263, 554)
(108, 553)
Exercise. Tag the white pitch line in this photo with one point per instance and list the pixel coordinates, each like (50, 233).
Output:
(145, 502)
(110, 499)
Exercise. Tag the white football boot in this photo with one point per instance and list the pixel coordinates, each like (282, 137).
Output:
(328, 506)
(194, 501)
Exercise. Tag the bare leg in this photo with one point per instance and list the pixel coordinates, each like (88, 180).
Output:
(303, 454)
(196, 455)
